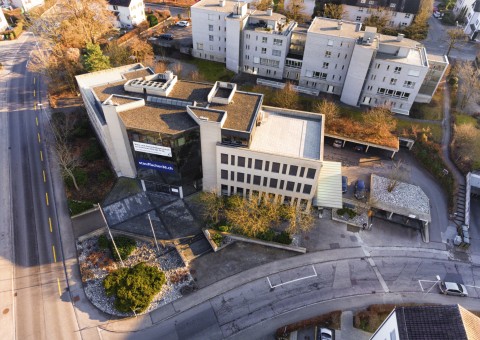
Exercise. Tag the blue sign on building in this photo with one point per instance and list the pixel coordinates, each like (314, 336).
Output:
(160, 166)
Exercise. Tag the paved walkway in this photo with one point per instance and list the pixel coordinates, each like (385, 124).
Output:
(348, 332)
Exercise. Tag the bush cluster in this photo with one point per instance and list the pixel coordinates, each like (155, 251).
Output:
(217, 239)
(134, 288)
(77, 207)
(125, 245)
(93, 152)
(351, 213)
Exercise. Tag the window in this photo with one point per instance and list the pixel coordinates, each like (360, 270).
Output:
(311, 173)
(325, 65)
(264, 40)
(409, 84)
(267, 165)
(293, 170)
(299, 186)
(358, 18)
(328, 54)
(224, 190)
(293, 63)
(393, 81)
(282, 182)
(224, 158)
(265, 180)
(414, 73)
(284, 170)
(256, 180)
(249, 177)
(273, 183)
(224, 174)
(264, 50)
(276, 53)
(210, 37)
(330, 42)
(210, 28)
(232, 160)
(249, 163)
(241, 161)
(240, 177)
(248, 36)
(199, 46)
(319, 75)
(302, 171)
(369, 88)
(397, 69)
(258, 164)
(232, 176)
(276, 167)
(256, 60)
(115, 8)
(393, 5)
(330, 88)
(407, 15)
(290, 186)
(278, 42)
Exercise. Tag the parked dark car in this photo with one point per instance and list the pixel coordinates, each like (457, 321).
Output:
(166, 36)
(344, 184)
(358, 148)
(359, 189)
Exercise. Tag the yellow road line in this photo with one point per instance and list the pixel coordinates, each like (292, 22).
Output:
(50, 223)
(34, 80)
(46, 197)
(54, 254)
(59, 289)
(44, 177)
(41, 155)
(36, 120)
(38, 134)
(34, 92)
(35, 106)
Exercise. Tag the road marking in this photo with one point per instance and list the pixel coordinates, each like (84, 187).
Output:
(34, 92)
(46, 197)
(41, 155)
(44, 178)
(36, 120)
(294, 280)
(54, 254)
(33, 80)
(38, 134)
(59, 289)
(50, 223)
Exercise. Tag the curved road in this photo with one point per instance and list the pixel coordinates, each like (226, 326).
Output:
(35, 300)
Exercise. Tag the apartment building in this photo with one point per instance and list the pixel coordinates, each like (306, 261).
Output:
(400, 13)
(470, 10)
(128, 13)
(181, 136)
(26, 5)
(245, 40)
(3, 22)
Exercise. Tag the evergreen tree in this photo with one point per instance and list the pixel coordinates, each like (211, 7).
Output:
(94, 59)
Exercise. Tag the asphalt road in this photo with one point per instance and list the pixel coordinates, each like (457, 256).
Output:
(41, 307)
(174, 11)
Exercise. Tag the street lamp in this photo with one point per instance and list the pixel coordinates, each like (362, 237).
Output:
(436, 282)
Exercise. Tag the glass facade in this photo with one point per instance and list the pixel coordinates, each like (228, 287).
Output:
(183, 168)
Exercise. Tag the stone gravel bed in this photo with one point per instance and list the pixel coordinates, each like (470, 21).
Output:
(357, 221)
(96, 263)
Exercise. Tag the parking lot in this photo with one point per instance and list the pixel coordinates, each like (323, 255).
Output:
(182, 37)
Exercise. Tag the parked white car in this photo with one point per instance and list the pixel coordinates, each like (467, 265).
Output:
(183, 23)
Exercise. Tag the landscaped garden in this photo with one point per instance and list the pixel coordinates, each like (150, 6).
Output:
(147, 279)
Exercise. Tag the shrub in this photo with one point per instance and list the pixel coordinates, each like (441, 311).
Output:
(103, 242)
(217, 238)
(152, 20)
(77, 207)
(80, 176)
(105, 175)
(134, 288)
(283, 238)
(125, 246)
(93, 152)
(224, 228)
(351, 213)
(267, 235)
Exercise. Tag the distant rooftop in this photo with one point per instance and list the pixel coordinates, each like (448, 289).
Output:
(214, 5)
(285, 132)
(330, 27)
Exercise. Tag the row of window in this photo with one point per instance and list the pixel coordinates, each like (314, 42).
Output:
(275, 53)
(393, 93)
(210, 28)
(273, 183)
(278, 42)
(320, 75)
(259, 164)
(241, 191)
(396, 70)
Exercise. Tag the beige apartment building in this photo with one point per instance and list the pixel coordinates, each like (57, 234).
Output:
(180, 137)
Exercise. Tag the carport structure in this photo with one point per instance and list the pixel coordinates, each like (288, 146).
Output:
(367, 145)
(406, 200)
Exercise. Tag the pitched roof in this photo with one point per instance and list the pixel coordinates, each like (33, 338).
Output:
(121, 3)
(436, 323)
(406, 6)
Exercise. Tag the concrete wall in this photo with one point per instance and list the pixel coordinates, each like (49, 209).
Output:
(3, 21)
(233, 36)
(356, 74)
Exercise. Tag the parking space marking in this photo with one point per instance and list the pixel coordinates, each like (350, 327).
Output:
(294, 280)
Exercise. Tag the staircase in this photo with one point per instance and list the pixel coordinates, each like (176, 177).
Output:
(459, 218)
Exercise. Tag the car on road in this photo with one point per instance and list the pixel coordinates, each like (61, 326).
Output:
(337, 143)
(183, 23)
(324, 334)
(437, 14)
(360, 189)
(453, 288)
(344, 184)
(165, 36)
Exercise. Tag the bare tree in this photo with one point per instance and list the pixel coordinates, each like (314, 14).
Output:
(455, 36)
(287, 97)
(395, 177)
(294, 10)
(140, 51)
(379, 120)
(329, 109)
(212, 205)
(262, 5)
(469, 84)
(379, 18)
(333, 11)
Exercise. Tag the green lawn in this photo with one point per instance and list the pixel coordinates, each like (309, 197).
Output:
(430, 111)
(465, 119)
(212, 71)
(436, 129)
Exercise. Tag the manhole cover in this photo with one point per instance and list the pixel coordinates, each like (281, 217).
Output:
(6, 310)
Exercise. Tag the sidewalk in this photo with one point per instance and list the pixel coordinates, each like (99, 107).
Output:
(348, 332)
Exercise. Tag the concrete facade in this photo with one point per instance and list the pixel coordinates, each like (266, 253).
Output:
(26, 5)
(128, 13)
(470, 9)
(3, 22)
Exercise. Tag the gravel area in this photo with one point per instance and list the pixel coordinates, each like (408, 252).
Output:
(96, 263)
(358, 220)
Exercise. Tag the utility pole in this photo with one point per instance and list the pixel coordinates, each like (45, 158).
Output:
(110, 233)
(153, 232)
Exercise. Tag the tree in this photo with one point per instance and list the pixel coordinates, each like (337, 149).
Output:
(262, 5)
(212, 206)
(118, 54)
(395, 177)
(333, 11)
(287, 97)
(294, 10)
(329, 109)
(379, 18)
(469, 84)
(94, 59)
(466, 142)
(380, 122)
(140, 51)
(152, 20)
(455, 35)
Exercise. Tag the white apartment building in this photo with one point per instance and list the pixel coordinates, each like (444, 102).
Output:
(128, 13)
(181, 136)
(400, 13)
(26, 5)
(471, 10)
(3, 22)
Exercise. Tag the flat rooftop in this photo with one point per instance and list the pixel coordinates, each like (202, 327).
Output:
(213, 5)
(289, 134)
(262, 15)
(414, 57)
(330, 27)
